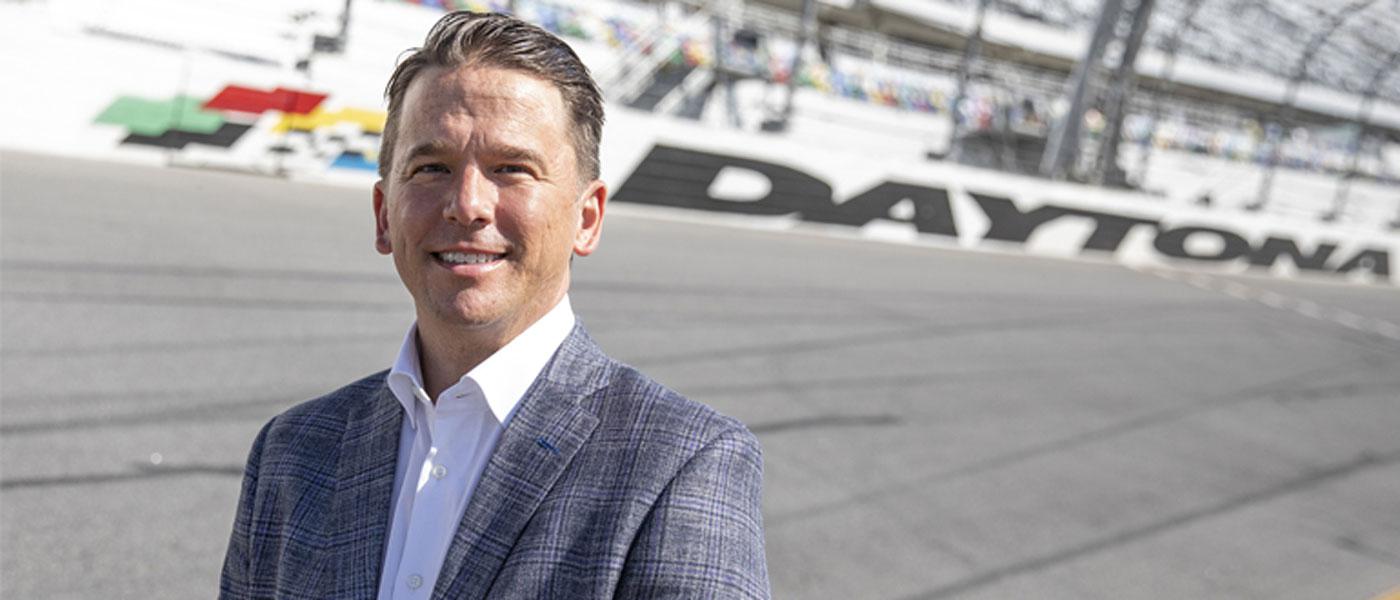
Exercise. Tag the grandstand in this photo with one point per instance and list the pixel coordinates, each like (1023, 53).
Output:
(1210, 119)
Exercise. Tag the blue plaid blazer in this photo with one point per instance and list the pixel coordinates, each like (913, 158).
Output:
(604, 485)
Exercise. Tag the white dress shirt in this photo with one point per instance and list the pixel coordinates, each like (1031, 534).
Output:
(444, 447)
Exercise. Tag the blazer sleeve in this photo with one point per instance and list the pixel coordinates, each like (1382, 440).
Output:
(236, 580)
(703, 538)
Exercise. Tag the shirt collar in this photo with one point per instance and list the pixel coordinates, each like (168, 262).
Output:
(503, 377)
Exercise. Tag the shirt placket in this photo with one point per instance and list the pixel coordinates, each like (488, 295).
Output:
(432, 494)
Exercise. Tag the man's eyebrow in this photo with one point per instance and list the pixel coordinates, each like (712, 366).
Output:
(434, 147)
(517, 154)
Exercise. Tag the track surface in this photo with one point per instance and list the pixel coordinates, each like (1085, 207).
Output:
(936, 424)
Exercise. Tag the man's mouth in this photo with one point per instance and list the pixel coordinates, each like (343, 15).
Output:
(467, 258)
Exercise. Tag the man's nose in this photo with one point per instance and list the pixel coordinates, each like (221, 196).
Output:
(473, 200)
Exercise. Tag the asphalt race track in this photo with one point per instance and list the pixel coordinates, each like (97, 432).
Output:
(936, 424)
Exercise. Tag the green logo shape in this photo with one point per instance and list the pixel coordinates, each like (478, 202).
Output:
(154, 117)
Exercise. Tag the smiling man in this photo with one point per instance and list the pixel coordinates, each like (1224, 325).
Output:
(503, 455)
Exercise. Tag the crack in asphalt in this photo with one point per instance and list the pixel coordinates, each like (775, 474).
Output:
(140, 472)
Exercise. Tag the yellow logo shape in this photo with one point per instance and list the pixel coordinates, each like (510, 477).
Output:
(371, 121)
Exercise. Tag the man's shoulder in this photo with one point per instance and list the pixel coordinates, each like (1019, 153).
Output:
(328, 413)
(634, 406)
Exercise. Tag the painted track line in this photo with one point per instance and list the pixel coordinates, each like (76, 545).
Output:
(1301, 306)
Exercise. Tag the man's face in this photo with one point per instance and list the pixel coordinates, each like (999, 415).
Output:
(484, 204)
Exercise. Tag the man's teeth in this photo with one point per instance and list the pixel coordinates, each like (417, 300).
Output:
(463, 258)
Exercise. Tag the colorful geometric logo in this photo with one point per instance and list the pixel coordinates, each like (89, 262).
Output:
(224, 119)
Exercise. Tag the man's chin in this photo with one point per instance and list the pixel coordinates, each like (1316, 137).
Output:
(471, 311)
(474, 319)
(462, 313)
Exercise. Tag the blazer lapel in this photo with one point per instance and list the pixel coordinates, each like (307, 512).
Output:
(369, 454)
(543, 436)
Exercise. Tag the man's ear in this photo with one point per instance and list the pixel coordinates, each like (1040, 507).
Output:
(590, 207)
(381, 220)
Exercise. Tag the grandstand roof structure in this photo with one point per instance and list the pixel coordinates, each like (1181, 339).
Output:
(1254, 54)
(1346, 45)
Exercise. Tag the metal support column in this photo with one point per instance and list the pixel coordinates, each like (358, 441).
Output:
(971, 51)
(1171, 47)
(724, 75)
(344, 35)
(1373, 88)
(1290, 95)
(1121, 88)
(1062, 149)
(809, 26)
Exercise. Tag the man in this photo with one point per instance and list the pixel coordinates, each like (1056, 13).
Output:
(504, 455)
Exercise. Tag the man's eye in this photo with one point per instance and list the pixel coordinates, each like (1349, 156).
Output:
(429, 168)
(512, 169)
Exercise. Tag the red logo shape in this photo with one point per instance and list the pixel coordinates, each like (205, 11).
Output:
(249, 100)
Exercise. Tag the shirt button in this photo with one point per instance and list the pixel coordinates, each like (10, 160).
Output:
(415, 581)
(439, 472)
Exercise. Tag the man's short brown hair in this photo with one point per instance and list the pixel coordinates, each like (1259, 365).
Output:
(468, 39)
